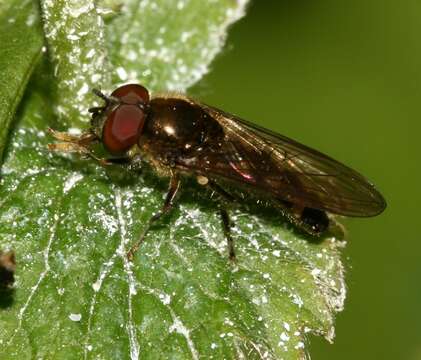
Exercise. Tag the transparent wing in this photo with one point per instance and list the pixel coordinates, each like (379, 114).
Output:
(286, 170)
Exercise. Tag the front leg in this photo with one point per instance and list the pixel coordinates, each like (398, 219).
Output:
(80, 144)
(173, 188)
(73, 143)
(85, 139)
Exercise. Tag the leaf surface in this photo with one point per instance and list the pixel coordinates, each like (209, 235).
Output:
(21, 42)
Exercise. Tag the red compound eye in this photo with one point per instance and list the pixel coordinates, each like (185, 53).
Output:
(122, 128)
(132, 94)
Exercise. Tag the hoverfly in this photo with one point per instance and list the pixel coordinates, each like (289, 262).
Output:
(181, 137)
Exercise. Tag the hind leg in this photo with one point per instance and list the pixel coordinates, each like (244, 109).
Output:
(226, 222)
(225, 218)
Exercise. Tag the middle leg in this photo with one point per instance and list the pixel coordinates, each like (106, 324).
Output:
(173, 188)
(226, 222)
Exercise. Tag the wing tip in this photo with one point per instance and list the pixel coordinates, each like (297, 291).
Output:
(381, 204)
(377, 206)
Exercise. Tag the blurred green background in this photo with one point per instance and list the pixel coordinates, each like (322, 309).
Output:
(345, 77)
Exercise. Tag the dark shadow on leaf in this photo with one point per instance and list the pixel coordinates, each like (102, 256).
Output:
(193, 193)
(7, 278)
(7, 297)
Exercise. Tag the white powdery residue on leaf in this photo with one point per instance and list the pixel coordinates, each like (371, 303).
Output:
(315, 272)
(107, 221)
(73, 29)
(122, 73)
(75, 317)
(186, 35)
(96, 286)
(284, 337)
(276, 253)
(328, 277)
(71, 181)
(180, 328)
(80, 8)
(90, 54)
(73, 37)
(165, 298)
(10, 215)
(31, 19)
(177, 250)
(330, 280)
(31, 174)
(83, 90)
(339, 301)
(216, 41)
(335, 294)
(229, 322)
(213, 235)
(46, 254)
(300, 345)
(131, 328)
(296, 299)
(177, 58)
(181, 4)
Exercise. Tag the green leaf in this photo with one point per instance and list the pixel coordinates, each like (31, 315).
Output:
(167, 44)
(71, 222)
(21, 42)
(75, 34)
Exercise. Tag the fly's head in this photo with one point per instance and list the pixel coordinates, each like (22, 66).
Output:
(119, 123)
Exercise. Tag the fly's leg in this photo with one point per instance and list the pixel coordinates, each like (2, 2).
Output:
(173, 188)
(74, 143)
(76, 148)
(83, 139)
(226, 221)
(80, 144)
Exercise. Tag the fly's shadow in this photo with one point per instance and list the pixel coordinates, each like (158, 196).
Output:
(7, 278)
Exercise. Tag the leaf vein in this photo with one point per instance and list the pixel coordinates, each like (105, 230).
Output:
(44, 273)
(131, 328)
